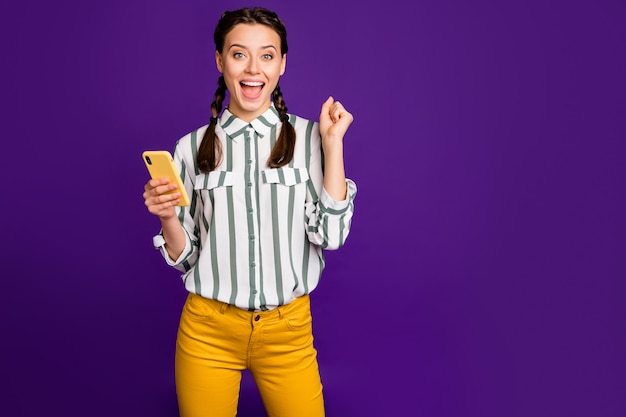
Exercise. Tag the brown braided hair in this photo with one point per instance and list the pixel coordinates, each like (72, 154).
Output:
(210, 153)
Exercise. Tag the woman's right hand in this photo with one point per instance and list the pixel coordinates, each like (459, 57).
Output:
(159, 203)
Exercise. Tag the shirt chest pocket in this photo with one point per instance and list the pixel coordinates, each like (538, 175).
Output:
(286, 176)
(214, 179)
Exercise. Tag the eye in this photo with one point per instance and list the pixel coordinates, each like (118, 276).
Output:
(268, 57)
(238, 55)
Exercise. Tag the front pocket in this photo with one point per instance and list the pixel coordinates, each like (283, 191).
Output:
(285, 176)
(198, 309)
(300, 320)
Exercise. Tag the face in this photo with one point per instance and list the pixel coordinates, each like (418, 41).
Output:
(251, 63)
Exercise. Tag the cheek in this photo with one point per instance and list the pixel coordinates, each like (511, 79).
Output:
(230, 73)
(228, 80)
(277, 71)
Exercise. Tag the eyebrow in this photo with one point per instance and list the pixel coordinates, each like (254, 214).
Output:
(237, 45)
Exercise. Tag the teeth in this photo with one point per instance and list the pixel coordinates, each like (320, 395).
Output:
(252, 83)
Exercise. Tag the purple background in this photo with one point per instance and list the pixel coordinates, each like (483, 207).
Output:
(485, 272)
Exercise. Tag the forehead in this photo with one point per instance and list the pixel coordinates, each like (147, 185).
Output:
(252, 36)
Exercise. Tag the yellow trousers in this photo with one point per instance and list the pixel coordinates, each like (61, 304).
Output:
(217, 341)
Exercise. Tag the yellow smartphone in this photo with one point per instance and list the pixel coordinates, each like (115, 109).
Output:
(160, 164)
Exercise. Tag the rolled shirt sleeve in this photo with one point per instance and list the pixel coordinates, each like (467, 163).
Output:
(328, 220)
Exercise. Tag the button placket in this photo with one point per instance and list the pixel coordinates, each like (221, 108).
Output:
(251, 191)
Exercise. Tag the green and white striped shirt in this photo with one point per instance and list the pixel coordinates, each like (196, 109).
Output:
(256, 235)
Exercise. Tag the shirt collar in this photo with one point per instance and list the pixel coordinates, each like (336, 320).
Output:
(262, 125)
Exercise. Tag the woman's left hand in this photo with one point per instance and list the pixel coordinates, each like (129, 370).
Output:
(334, 121)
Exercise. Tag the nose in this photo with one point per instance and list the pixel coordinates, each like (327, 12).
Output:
(253, 66)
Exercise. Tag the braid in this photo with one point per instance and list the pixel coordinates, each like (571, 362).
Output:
(220, 94)
(209, 151)
(279, 103)
(283, 150)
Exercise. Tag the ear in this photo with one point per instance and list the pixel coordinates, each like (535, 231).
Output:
(218, 62)
(283, 64)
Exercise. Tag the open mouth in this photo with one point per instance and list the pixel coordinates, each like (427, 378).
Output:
(251, 89)
(251, 84)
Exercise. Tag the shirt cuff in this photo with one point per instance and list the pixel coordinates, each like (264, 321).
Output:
(334, 205)
(159, 243)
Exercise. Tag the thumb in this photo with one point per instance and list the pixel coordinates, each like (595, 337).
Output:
(326, 106)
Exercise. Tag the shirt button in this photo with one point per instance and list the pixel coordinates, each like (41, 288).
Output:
(252, 264)
(251, 237)
(249, 161)
(249, 210)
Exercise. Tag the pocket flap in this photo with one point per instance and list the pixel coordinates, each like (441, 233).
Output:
(285, 176)
(213, 179)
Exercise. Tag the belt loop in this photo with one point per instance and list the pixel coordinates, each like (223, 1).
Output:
(223, 308)
(280, 311)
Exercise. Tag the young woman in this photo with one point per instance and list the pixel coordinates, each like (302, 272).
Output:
(268, 195)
